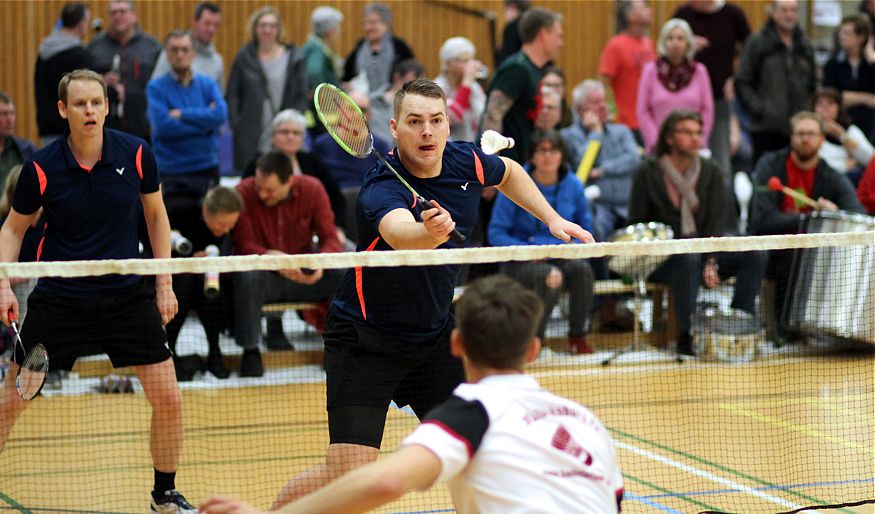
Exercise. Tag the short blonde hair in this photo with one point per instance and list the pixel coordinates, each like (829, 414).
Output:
(807, 115)
(677, 23)
(257, 15)
(223, 200)
(81, 74)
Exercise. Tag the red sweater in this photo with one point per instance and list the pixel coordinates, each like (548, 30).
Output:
(288, 226)
(866, 189)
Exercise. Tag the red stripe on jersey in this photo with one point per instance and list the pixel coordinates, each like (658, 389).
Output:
(452, 433)
(41, 175)
(478, 168)
(39, 249)
(358, 280)
(140, 161)
(619, 495)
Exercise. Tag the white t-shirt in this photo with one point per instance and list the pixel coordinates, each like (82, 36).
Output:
(507, 446)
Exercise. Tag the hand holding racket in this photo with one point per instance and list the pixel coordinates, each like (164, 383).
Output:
(32, 372)
(347, 125)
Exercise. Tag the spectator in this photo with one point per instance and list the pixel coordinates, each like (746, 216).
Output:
(550, 112)
(513, 99)
(267, 76)
(186, 110)
(866, 188)
(852, 72)
(207, 60)
(798, 167)
(383, 100)
(845, 148)
(867, 8)
(59, 53)
(680, 189)
(320, 61)
(776, 77)
(623, 59)
(14, 151)
(721, 28)
(204, 223)
(125, 56)
(458, 78)
(617, 156)
(377, 54)
(510, 37)
(282, 212)
(554, 80)
(511, 225)
(674, 81)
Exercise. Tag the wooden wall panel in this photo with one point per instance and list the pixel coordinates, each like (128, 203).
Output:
(424, 24)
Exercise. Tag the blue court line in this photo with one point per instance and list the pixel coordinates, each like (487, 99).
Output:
(650, 503)
(764, 488)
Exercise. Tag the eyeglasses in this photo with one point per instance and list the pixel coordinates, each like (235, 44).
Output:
(803, 134)
(688, 132)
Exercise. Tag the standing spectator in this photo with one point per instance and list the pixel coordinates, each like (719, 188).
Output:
(378, 52)
(554, 80)
(186, 110)
(867, 8)
(510, 36)
(776, 77)
(615, 162)
(680, 189)
(126, 57)
(59, 53)
(207, 60)
(14, 150)
(383, 100)
(720, 28)
(623, 58)
(511, 225)
(513, 99)
(674, 81)
(852, 72)
(845, 148)
(458, 78)
(320, 61)
(282, 212)
(267, 76)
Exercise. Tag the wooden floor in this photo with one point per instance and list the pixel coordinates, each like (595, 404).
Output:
(774, 435)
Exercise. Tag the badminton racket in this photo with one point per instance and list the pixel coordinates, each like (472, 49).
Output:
(348, 127)
(32, 372)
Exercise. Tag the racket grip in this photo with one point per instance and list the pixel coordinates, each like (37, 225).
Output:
(457, 237)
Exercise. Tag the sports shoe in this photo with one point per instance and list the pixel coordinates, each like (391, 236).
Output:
(216, 366)
(171, 502)
(250, 364)
(579, 345)
(275, 339)
(685, 344)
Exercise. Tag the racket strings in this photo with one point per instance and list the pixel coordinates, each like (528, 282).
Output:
(344, 121)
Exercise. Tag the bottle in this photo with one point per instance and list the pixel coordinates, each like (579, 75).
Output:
(211, 278)
(179, 243)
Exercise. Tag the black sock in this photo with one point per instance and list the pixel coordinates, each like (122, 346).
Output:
(164, 481)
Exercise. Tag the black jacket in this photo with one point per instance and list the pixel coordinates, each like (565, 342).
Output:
(58, 54)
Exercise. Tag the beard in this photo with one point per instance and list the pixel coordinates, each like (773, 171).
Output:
(805, 154)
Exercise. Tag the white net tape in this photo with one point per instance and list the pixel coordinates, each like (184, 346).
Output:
(431, 257)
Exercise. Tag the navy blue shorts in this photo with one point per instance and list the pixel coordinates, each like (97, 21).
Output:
(125, 325)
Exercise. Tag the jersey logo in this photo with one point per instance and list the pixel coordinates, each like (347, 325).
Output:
(120, 170)
(465, 187)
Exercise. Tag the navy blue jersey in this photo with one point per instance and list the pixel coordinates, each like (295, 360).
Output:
(89, 214)
(413, 302)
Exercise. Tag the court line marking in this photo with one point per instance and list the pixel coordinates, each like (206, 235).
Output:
(14, 505)
(765, 488)
(681, 496)
(707, 475)
(802, 429)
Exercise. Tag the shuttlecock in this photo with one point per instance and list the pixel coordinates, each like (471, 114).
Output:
(492, 142)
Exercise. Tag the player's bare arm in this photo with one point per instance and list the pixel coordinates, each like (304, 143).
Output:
(519, 187)
(159, 236)
(401, 230)
(496, 107)
(11, 235)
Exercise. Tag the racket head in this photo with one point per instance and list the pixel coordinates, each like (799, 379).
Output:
(344, 120)
(32, 372)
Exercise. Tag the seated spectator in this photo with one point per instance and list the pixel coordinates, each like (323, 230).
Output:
(678, 188)
(205, 224)
(798, 167)
(852, 72)
(554, 80)
(465, 97)
(550, 113)
(512, 225)
(866, 188)
(376, 55)
(673, 81)
(14, 151)
(617, 156)
(846, 148)
(282, 212)
(383, 100)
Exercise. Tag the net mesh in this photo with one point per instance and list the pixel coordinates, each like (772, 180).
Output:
(774, 413)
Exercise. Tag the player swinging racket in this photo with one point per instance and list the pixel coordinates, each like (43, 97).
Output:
(388, 329)
(90, 185)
